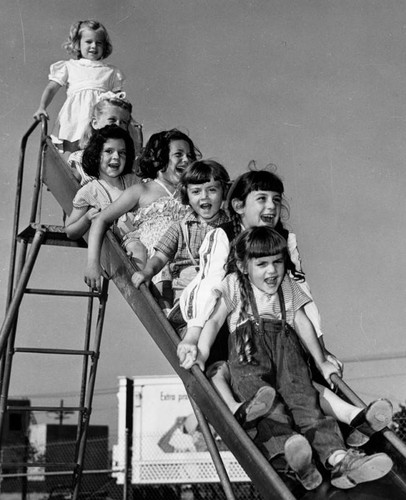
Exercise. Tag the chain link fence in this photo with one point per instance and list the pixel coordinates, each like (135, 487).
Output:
(102, 472)
(102, 477)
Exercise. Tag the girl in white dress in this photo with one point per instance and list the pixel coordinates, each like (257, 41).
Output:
(85, 76)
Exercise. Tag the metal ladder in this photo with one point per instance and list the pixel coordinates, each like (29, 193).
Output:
(22, 262)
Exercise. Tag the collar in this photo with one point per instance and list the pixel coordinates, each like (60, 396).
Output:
(193, 218)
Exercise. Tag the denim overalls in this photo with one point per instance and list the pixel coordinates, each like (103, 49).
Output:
(280, 362)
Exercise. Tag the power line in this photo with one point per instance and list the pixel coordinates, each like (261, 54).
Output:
(374, 357)
(100, 392)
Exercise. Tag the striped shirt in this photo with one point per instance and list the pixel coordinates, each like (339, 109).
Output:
(268, 305)
(197, 300)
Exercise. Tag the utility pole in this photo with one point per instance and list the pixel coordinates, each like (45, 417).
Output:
(61, 413)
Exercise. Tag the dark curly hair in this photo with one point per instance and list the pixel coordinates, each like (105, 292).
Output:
(93, 151)
(155, 155)
(202, 171)
(72, 45)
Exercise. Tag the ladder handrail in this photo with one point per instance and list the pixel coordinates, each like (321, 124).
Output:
(17, 202)
(120, 268)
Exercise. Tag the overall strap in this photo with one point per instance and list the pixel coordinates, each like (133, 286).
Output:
(282, 304)
(254, 307)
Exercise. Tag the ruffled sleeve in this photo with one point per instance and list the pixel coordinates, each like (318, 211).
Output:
(58, 73)
(118, 80)
(83, 198)
(310, 308)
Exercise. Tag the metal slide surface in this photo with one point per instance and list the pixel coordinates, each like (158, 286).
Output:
(62, 184)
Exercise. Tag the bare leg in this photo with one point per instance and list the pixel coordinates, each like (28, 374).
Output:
(220, 378)
(334, 406)
(137, 251)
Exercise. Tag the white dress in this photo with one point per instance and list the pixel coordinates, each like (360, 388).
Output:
(85, 80)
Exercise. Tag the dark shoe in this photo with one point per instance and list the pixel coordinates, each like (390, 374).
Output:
(356, 439)
(256, 407)
(356, 467)
(298, 454)
(377, 414)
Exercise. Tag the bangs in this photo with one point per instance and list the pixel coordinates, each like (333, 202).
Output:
(265, 242)
(199, 175)
(263, 182)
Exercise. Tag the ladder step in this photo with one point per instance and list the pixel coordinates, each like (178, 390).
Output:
(54, 235)
(63, 293)
(41, 350)
(46, 408)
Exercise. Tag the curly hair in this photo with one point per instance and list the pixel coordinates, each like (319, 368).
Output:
(93, 151)
(155, 155)
(98, 110)
(202, 171)
(72, 45)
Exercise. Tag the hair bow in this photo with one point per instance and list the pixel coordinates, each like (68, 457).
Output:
(113, 95)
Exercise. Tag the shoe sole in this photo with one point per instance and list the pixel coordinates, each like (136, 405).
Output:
(261, 403)
(357, 439)
(298, 454)
(379, 414)
(375, 468)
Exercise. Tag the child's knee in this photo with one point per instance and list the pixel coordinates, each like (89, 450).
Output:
(137, 250)
(219, 371)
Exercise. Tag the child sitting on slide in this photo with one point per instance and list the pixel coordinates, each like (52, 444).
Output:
(203, 186)
(265, 312)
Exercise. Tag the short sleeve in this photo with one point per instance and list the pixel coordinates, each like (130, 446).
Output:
(118, 80)
(82, 198)
(58, 73)
(168, 243)
(310, 308)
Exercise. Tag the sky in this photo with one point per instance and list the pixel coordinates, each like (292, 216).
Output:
(316, 87)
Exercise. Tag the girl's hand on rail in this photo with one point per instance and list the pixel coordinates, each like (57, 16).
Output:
(93, 273)
(40, 112)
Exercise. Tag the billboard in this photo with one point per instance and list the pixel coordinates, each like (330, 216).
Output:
(167, 443)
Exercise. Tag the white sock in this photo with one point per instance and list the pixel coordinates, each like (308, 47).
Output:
(336, 457)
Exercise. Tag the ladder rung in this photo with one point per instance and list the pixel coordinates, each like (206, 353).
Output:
(46, 408)
(64, 293)
(54, 235)
(41, 350)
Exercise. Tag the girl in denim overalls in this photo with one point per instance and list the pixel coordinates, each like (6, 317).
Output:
(264, 308)
(256, 198)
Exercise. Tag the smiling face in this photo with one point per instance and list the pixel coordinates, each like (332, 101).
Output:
(112, 115)
(266, 273)
(112, 159)
(179, 158)
(205, 199)
(261, 208)
(92, 44)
